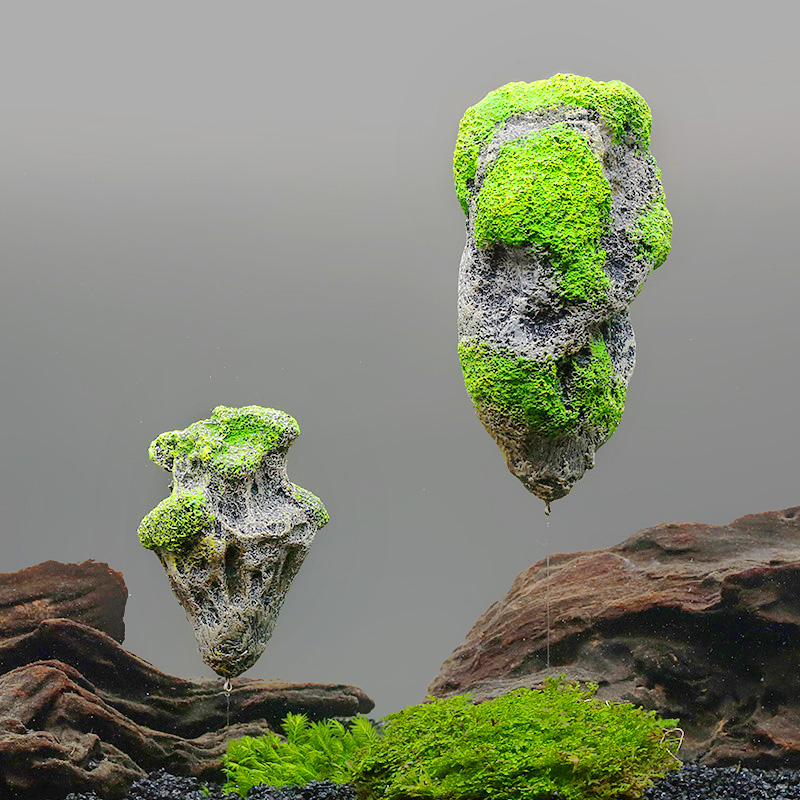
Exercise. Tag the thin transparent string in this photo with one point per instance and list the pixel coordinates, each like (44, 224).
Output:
(547, 591)
(226, 689)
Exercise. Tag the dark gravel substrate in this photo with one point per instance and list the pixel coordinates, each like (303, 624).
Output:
(691, 782)
(163, 786)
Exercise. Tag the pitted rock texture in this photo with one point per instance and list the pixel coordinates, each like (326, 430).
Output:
(234, 531)
(566, 218)
(90, 592)
(78, 713)
(694, 621)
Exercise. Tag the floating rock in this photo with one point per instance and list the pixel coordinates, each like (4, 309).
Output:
(90, 592)
(78, 713)
(234, 531)
(694, 621)
(566, 218)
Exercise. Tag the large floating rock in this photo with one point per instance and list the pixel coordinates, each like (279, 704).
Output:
(234, 531)
(566, 218)
(90, 592)
(79, 713)
(697, 622)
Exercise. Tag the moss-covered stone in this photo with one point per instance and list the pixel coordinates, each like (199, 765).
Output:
(566, 219)
(622, 108)
(552, 398)
(597, 395)
(313, 505)
(175, 523)
(548, 191)
(522, 390)
(652, 233)
(233, 442)
(234, 532)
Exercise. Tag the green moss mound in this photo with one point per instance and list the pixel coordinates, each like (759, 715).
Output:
(526, 744)
(320, 751)
(523, 390)
(652, 233)
(232, 443)
(175, 523)
(534, 392)
(548, 191)
(621, 107)
(597, 394)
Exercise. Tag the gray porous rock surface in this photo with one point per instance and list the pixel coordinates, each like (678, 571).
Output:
(566, 218)
(697, 622)
(234, 531)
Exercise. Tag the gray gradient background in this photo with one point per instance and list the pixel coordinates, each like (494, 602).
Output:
(239, 203)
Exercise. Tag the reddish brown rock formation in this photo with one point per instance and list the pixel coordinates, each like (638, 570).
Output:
(91, 593)
(79, 713)
(698, 622)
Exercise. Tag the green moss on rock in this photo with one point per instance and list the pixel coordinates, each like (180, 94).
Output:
(652, 233)
(597, 394)
(549, 191)
(539, 393)
(621, 107)
(313, 505)
(232, 443)
(523, 390)
(175, 523)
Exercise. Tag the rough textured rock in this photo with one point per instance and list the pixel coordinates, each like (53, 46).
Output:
(566, 218)
(697, 622)
(234, 531)
(90, 592)
(79, 713)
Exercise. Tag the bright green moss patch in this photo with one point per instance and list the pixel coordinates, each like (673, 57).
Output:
(622, 108)
(176, 522)
(525, 744)
(318, 751)
(653, 232)
(548, 191)
(233, 442)
(533, 392)
(597, 394)
(521, 389)
(313, 505)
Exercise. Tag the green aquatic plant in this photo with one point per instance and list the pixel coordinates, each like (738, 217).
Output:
(318, 751)
(525, 744)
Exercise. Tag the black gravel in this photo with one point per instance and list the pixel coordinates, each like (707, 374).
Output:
(691, 782)
(163, 786)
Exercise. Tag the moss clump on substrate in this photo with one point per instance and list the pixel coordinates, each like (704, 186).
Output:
(528, 743)
(233, 442)
(549, 191)
(532, 392)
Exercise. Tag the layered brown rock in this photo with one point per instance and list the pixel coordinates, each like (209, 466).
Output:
(90, 592)
(695, 621)
(80, 713)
